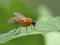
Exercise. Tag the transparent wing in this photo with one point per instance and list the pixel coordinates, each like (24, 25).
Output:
(11, 20)
(19, 15)
(14, 19)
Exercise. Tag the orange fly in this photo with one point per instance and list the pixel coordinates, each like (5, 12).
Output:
(20, 19)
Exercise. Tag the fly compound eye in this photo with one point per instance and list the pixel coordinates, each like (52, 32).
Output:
(33, 23)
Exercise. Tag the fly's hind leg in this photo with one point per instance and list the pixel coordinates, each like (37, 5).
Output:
(18, 30)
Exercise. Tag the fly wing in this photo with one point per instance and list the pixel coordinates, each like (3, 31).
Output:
(19, 15)
(12, 20)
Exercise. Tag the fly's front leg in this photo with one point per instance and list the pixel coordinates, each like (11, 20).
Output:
(33, 27)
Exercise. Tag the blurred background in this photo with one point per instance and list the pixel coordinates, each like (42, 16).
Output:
(26, 7)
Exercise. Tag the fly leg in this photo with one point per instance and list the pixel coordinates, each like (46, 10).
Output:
(33, 27)
(26, 29)
(18, 30)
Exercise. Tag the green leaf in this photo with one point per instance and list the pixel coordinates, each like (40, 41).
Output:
(52, 38)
